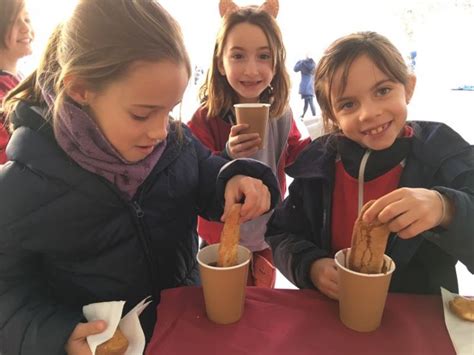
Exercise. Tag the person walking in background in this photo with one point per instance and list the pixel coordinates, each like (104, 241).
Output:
(412, 60)
(100, 198)
(198, 72)
(306, 90)
(248, 66)
(16, 35)
(420, 174)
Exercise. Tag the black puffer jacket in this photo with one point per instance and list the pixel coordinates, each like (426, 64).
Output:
(68, 238)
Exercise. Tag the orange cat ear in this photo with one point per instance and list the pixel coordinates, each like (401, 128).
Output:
(227, 6)
(270, 6)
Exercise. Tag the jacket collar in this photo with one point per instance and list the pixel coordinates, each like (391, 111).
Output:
(379, 161)
(317, 159)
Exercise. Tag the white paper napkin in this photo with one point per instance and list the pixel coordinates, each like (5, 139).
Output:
(461, 331)
(129, 325)
(132, 329)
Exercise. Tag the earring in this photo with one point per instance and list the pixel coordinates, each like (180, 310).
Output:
(268, 94)
(270, 89)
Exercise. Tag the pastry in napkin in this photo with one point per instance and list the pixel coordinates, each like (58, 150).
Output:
(129, 324)
(460, 331)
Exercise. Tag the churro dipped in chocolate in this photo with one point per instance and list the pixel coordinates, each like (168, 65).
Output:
(230, 238)
(369, 241)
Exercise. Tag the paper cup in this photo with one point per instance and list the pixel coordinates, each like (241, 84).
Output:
(223, 287)
(256, 116)
(362, 296)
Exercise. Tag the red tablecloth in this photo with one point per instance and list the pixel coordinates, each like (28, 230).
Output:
(297, 322)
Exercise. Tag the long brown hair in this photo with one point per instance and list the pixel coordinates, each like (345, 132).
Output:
(98, 44)
(341, 54)
(216, 94)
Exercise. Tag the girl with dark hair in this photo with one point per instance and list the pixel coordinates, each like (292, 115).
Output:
(420, 174)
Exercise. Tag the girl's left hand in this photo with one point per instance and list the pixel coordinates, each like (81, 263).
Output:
(242, 145)
(255, 194)
(408, 211)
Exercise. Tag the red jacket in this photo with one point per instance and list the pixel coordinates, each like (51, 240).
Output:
(214, 132)
(7, 82)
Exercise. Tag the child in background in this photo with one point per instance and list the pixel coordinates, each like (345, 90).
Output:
(421, 175)
(248, 66)
(16, 35)
(100, 198)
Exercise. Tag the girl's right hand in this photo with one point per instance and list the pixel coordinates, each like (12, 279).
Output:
(77, 343)
(324, 276)
(242, 145)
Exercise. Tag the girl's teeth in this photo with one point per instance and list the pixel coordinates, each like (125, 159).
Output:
(377, 130)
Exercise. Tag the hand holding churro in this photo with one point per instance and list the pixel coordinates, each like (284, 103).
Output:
(230, 238)
(255, 195)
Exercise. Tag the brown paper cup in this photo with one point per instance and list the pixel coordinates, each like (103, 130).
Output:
(256, 116)
(223, 287)
(362, 296)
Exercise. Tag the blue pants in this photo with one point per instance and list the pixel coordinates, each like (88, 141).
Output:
(308, 101)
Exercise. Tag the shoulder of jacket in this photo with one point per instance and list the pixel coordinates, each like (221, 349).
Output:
(315, 157)
(430, 133)
(429, 136)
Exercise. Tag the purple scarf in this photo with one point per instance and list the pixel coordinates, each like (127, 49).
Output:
(82, 140)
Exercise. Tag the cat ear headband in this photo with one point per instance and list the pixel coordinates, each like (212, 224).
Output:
(269, 6)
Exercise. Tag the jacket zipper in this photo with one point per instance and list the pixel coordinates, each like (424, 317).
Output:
(326, 221)
(360, 180)
(146, 244)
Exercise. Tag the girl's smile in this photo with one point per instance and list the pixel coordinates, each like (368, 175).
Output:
(25, 40)
(251, 83)
(377, 130)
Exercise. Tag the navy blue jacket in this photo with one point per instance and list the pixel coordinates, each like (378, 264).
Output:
(68, 238)
(306, 67)
(299, 231)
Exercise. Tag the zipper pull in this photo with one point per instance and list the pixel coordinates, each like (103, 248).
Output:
(361, 178)
(138, 210)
